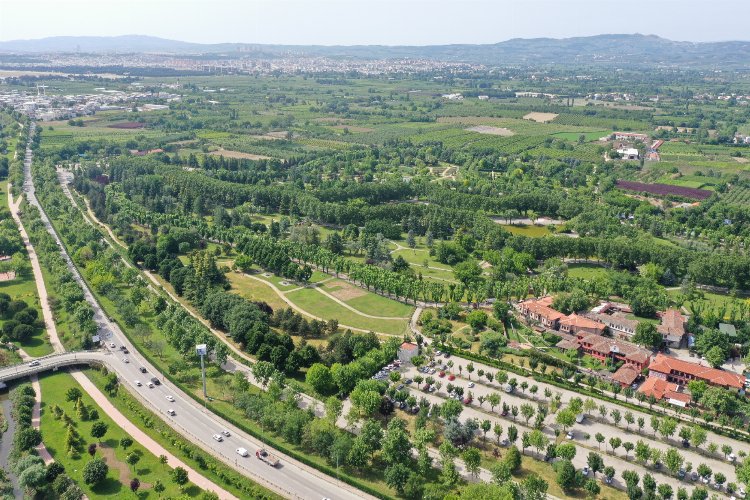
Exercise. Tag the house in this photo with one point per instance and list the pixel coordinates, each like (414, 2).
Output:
(619, 326)
(629, 136)
(662, 390)
(626, 375)
(681, 372)
(672, 327)
(576, 324)
(607, 349)
(629, 153)
(541, 312)
(407, 350)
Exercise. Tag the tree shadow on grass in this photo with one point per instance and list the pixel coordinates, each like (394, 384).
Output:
(110, 486)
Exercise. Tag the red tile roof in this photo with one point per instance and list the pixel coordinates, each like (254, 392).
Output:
(661, 389)
(577, 321)
(667, 365)
(625, 375)
(672, 323)
(408, 346)
(542, 309)
(606, 345)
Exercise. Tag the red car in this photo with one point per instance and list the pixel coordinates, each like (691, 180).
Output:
(467, 401)
(426, 387)
(441, 374)
(451, 377)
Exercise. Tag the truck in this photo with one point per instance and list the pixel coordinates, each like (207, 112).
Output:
(268, 458)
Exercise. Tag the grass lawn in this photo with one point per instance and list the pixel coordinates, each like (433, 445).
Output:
(151, 424)
(367, 302)
(148, 469)
(586, 271)
(530, 231)
(323, 307)
(254, 290)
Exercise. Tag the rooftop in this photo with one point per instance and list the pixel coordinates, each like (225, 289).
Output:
(661, 389)
(667, 364)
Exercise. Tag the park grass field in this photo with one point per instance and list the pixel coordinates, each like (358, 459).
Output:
(526, 230)
(254, 290)
(586, 271)
(323, 307)
(116, 485)
(367, 302)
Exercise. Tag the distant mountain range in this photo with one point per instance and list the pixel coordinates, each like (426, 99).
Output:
(606, 49)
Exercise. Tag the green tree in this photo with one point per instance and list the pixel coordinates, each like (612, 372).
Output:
(647, 336)
(95, 471)
(472, 458)
(595, 462)
(180, 476)
(133, 458)
(566, 475)
(319, 377)
(98, 430)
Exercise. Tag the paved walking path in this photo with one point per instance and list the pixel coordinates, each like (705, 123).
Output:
(49, 321)
(143, 439)
(85, 383)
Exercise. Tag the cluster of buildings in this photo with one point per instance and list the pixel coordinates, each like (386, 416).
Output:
(41, 106)
(604, 333)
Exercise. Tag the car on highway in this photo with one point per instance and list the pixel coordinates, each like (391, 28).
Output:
(125, 360)
(170, 398)
(226, 433)
(143, 370)
(171, 412)
(138, 383)
(112, 345)
(155, 381)
(218, 437)
(34, 363)
(150, 385)
(241, 452)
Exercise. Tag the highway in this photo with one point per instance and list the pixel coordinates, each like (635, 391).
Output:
(290, 479)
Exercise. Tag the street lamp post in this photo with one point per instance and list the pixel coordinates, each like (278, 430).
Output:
(201, 350)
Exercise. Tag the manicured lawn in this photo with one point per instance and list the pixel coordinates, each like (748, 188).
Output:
(316, 303)
(254, 290)
(530, 231)
(586, 271)
(148, 469)
(367, 302)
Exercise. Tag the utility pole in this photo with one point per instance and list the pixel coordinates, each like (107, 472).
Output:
(201, 350)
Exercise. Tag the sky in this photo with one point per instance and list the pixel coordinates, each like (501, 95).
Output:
(386, 22)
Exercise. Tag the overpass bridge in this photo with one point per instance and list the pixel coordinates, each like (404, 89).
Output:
(53, 362)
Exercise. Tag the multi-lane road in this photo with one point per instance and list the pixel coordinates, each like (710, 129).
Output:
(291, 478)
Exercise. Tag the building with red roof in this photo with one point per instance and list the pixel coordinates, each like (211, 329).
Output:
(681, 372)
(540, 311)
(663, 390)
(576, 324)
(672, 327)
(407, 350)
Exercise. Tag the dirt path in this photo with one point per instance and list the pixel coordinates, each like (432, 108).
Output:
(357, 311)
(302, 311)
(49, 321)
(143, 439)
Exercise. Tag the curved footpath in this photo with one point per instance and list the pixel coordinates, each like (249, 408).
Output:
(294, 479)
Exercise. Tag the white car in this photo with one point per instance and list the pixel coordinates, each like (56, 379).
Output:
(112, 345)
(241, 452)
(138, 383)
(171, 412)
(226, 433)
(170, 398)
(471, 384)
(125, 360)
(569, 435)
(34, 363)
(150, 385)
(217, 437)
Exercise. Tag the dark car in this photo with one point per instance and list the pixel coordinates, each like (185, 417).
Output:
(143, 370)
(685, 443)
(155, 381)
